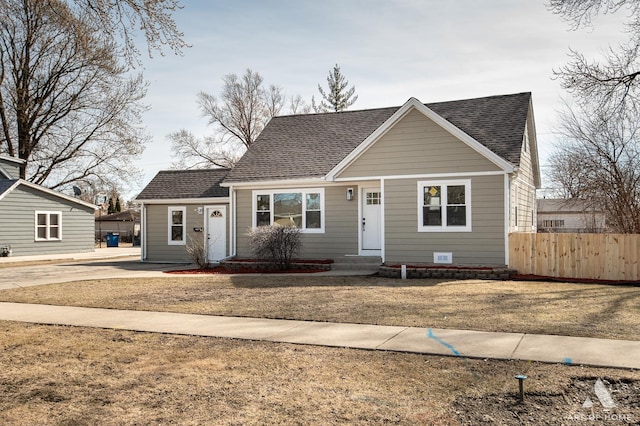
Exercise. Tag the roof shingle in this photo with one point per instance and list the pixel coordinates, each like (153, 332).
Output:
(172, 184)
(310, 146)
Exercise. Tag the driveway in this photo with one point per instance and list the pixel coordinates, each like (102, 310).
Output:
(31, 275)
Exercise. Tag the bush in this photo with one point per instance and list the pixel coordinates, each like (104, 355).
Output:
(276, 244)
(197, 252)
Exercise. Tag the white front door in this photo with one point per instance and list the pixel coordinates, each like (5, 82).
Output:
(371, 218)
(216, 233)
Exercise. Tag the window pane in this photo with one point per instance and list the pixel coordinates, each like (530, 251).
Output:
(373, 198)
(42, 219)
(176, 233)
(263, 219)
(432, 196)
(263, 202)
(455, 194)
(313, 220)
(53, 219)
(42, 233)
(456, 216)
(431, 216)
(176, 217)
(287, 209)
(54, 232)
(313, 201)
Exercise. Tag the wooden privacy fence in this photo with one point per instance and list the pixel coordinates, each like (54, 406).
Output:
(586, 256)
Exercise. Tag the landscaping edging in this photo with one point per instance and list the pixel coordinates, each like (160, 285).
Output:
(262, 266)
(459, 273)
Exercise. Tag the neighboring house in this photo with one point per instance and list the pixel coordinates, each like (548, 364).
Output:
(569, 216)
(35, 220)
(126, 224)
(421, 183)
(183, 208)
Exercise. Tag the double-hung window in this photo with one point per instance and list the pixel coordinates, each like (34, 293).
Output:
(177, 226)
(303, 208)
(444, 206)
(48, 226)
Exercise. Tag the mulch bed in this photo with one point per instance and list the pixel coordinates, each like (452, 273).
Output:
(257, 266)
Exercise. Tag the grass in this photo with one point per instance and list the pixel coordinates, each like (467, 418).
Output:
(54, 375)
(592, 310)
(80, 376)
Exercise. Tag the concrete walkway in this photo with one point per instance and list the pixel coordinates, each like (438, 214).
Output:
(473, 344)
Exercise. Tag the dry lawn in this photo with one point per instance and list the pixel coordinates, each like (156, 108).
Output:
(532, 307)
(52, 375)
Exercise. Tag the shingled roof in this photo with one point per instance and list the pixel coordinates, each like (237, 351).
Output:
(311, 145)
(177, 184)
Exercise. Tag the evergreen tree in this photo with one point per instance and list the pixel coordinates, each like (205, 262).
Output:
(338, 97)
(118, 207)
(111, 208)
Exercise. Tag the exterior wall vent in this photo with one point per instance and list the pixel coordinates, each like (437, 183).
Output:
(442, 257)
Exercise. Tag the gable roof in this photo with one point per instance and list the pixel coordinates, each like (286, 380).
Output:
(185, 184)
(8, 185)
(311, 146)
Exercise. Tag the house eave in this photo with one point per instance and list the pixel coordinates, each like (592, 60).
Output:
(48, 191)
(277, 183)
(207, 200)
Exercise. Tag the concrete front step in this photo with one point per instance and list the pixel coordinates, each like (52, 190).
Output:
(357, 263)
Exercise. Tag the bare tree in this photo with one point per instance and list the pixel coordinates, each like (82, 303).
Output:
(613, 79)
(238, 116)
(338, 97)
(119, 21)
(66, 105)
(193, 152)
(599, 162)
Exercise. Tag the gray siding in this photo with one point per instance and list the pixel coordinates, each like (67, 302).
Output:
(523, 183)
(10, 167)
(341, 226)
(485, 245)
(17, 223)
(417, 145)
(156, 231)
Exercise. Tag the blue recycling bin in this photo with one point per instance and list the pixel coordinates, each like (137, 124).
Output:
(113, 239)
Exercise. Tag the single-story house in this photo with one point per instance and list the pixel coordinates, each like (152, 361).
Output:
(569, 215)
(35, 220)
(437, 183)
(180, 208)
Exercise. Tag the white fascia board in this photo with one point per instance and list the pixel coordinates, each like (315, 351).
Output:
(411, 104)
(51, 192)
(210, 200)
(12, 159)
(293, 183)
(423, 176)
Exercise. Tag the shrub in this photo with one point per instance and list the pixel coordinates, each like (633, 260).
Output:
(196, 251)
(276, 243)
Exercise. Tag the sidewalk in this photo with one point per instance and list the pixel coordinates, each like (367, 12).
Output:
(472, 344)
(98, 253)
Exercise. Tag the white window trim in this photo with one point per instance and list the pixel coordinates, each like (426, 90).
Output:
(170, 211)
(304, 192)
(48, 225)
(444, 184)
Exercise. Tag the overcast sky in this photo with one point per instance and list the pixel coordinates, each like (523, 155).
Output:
(390, 50)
